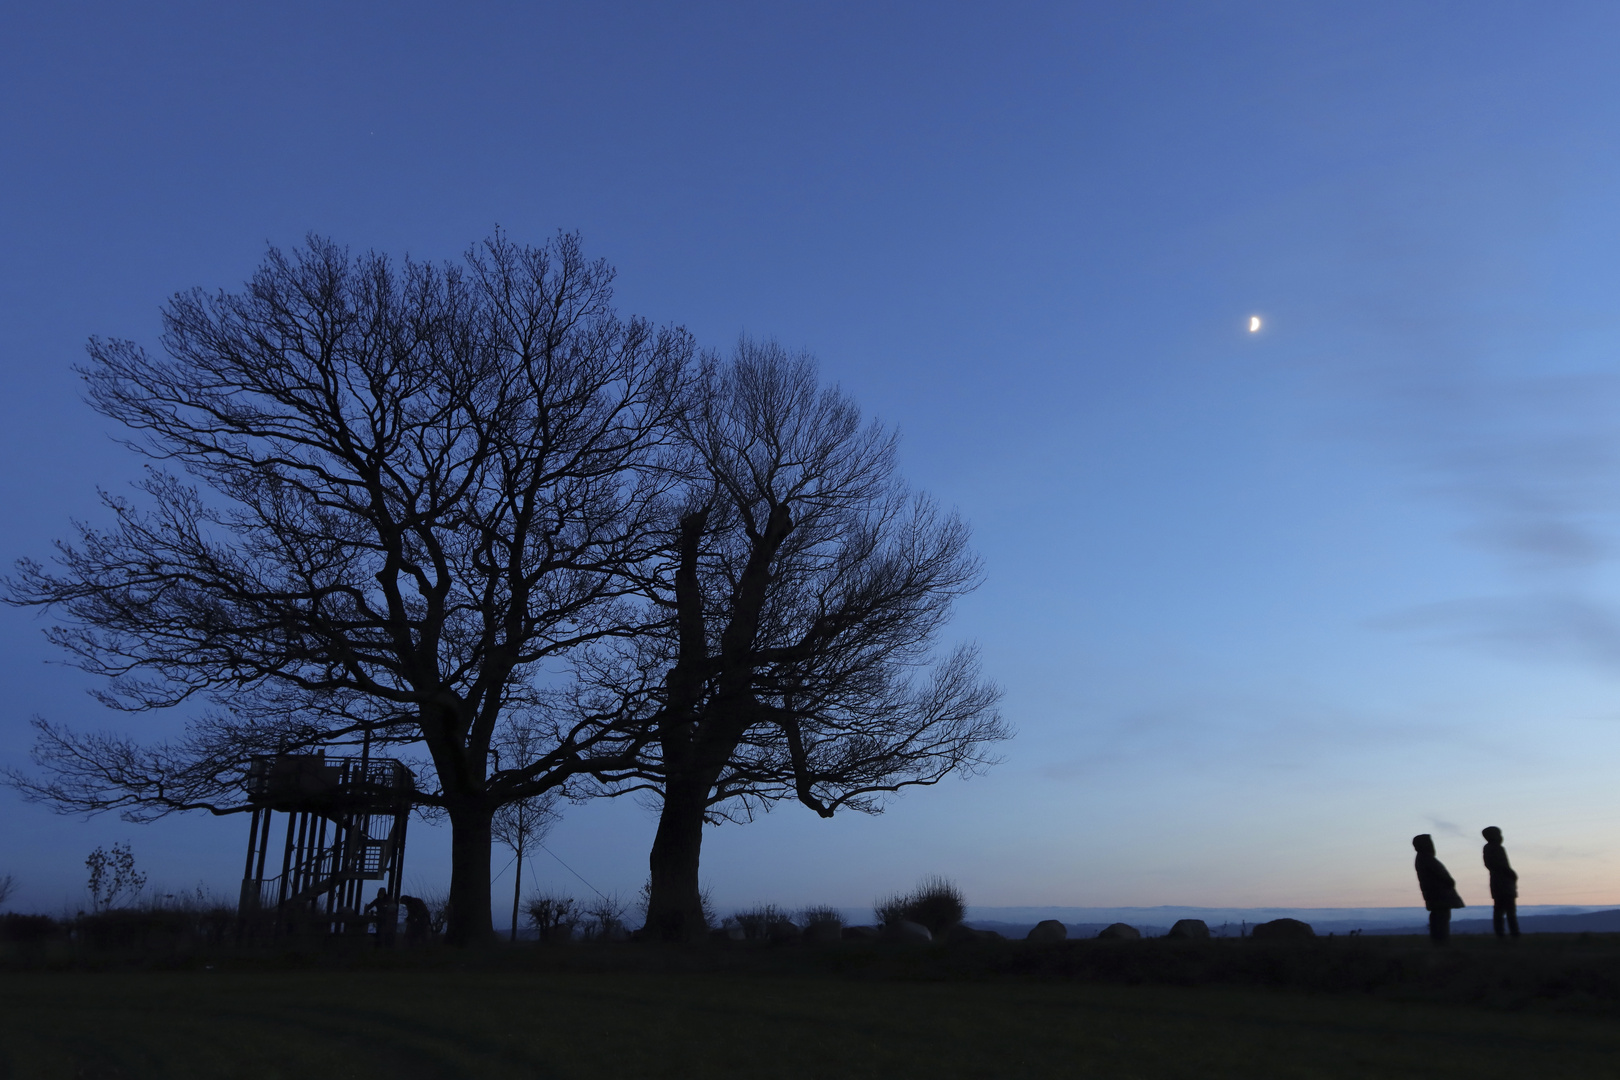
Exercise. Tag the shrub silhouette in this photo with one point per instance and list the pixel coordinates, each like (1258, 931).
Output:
(604, 919)
(438, 905)
(171, 922)
(553, 917)
(936, 903)
(757, 921)
(890, 910)
(113, 877)
(27, 929)
(821, 914)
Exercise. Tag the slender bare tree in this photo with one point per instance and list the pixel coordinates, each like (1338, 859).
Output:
(802, 590)
(522, 824)
(381, 499)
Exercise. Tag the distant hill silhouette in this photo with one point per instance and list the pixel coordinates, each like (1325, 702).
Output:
(1015, 922)
(1591, 922)
(1018, 930)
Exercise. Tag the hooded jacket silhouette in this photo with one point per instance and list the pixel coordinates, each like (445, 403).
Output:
(1438, 887)
(1504, 884)
(1504, 879)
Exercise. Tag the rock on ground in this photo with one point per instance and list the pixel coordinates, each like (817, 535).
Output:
(1282, 930)
(821, 932)
(783, 930)
(906, 930)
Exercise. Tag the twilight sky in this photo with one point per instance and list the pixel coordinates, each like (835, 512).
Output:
(1264, 605)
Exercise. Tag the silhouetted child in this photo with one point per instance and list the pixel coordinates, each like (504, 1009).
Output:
(1439, 890)
(387, 918)
(1504, 884)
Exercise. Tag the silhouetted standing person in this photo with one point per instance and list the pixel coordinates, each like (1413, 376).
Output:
(418, 921)
(1504, 884)
(1439, 890)
(387, 917)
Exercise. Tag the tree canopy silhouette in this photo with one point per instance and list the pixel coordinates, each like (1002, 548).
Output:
(380, 498)
(801, 592)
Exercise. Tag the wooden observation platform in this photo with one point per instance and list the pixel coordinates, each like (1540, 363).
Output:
(346, 821)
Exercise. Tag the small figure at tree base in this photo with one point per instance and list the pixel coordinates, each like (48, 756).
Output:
(387, 912)
(418, 921)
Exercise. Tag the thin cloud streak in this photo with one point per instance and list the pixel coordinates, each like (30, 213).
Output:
(1262, 734)
(1534, 627)
(1534, 461)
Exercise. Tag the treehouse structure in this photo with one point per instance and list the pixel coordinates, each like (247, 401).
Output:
(345, 827)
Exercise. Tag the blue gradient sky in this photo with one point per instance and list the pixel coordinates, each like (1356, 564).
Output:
(1264, 605)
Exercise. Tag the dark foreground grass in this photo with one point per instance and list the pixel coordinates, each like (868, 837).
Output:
(441, 1020)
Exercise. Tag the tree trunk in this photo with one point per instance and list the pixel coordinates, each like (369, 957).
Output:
(517, 889)
(675, 902)
(471, 922)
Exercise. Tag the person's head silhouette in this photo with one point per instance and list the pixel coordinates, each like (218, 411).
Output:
(1424, 843)
(1492, 834)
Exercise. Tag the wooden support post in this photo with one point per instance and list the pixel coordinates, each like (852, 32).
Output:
(286, 862)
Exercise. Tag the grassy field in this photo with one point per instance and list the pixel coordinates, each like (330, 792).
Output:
(625, 1018)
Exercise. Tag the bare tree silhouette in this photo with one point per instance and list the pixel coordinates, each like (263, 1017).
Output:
(113, 877)
(801, 592)
(380, 498)
(522, 824)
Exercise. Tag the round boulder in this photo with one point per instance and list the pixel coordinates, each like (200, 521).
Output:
(823, 932)
(1190, 928)
(1282, 930)
(906, 930)
(1119, 932)
(1048, 930)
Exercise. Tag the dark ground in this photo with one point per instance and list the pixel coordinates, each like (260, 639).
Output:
(1382, 1007)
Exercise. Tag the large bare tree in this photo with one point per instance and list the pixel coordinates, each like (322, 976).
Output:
(381, 499)
(802, 590)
